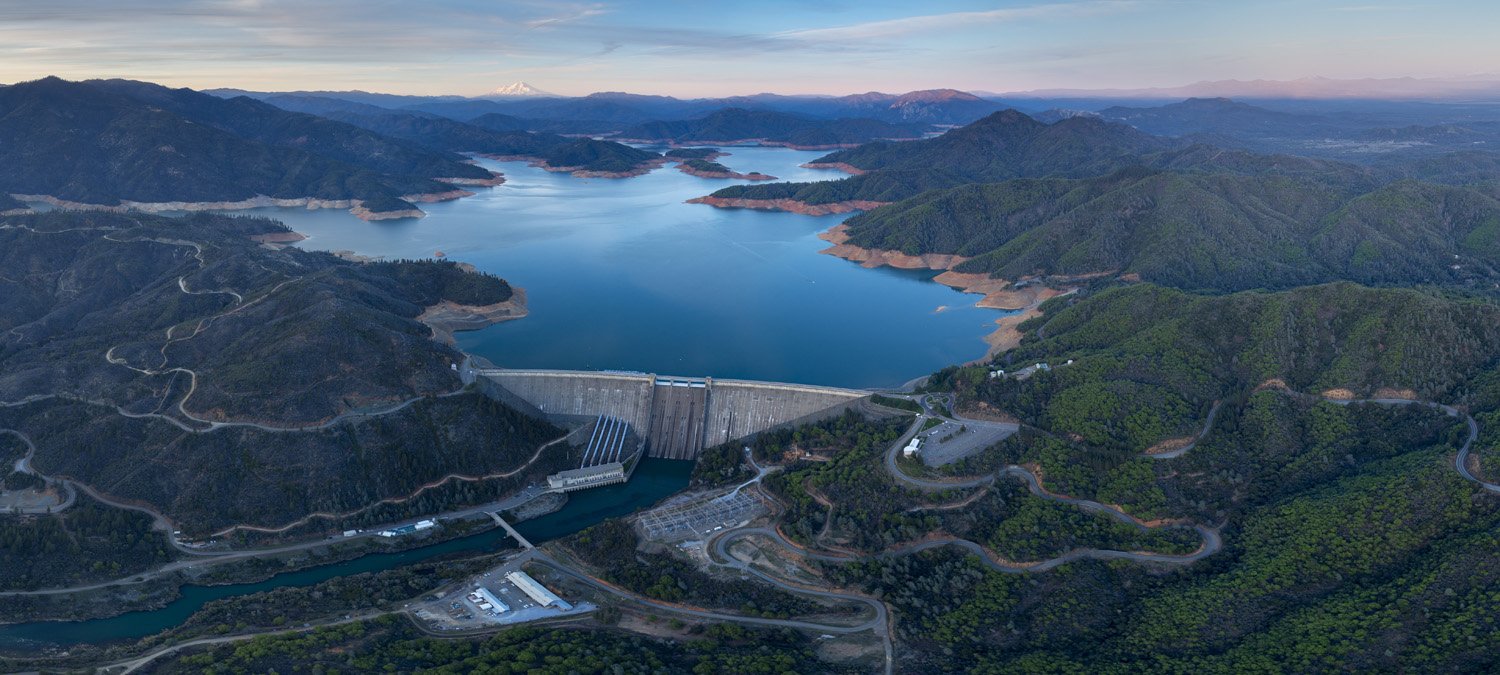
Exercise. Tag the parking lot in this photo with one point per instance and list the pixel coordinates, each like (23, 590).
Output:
(456, 610)
(951, 441)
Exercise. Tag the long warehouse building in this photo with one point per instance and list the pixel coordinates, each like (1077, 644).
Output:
(538, 592)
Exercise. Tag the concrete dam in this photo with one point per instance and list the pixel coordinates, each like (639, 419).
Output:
(679, 416)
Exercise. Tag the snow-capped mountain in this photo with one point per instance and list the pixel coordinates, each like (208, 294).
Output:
(518, 90)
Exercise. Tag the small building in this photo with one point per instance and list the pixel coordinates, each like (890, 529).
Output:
(426, 524)
(536, 590)
(913, 447)
(482, 596)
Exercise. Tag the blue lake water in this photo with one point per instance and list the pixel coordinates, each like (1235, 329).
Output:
(622, 274)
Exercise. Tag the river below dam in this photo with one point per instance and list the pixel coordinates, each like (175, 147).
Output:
(621, 274)
(654, 480)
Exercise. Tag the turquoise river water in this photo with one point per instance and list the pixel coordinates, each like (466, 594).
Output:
(653, 480)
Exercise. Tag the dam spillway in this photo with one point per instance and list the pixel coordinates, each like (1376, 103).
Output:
(679, 407)
(680, 416)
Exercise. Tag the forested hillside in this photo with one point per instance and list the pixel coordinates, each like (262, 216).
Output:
(104, 142)
(1004, 145)
(129, 340)
(1350, 541)
(1219, 231)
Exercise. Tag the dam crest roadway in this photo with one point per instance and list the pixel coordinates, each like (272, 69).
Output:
(678, 416)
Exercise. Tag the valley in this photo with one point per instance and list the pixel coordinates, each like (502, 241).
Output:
(870, 383)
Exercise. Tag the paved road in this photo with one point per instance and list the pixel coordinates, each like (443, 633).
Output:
(23, 465)
(569, 572)
(1460, 462)
(202, 558)
(132, 665)
(1208, 425)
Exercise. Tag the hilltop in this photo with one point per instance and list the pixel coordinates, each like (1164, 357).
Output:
(1005, 145)
(1218, 231)
(103, 144)
(171, 343)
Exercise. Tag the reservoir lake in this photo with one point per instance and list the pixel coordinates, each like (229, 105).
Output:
(621, 274)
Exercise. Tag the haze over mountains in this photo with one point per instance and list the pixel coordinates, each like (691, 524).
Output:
(937, 106)
(1395, 88)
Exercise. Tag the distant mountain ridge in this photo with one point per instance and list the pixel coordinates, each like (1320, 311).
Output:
(735, 125)
(1302, 88)
(935, 106)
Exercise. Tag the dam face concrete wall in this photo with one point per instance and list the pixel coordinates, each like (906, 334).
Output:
(740, 408)
(568, 394)
(679, 415)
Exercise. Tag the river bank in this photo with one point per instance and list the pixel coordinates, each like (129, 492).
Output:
(653, 480)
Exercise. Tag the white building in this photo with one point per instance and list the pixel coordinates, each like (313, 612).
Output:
(483, 594)
(538, 592)
(913, 447)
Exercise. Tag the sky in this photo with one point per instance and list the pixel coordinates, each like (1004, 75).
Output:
(715, 48)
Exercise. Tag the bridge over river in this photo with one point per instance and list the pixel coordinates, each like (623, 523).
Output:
(679, 416)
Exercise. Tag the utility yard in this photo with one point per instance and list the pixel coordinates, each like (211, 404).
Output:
(700, 518)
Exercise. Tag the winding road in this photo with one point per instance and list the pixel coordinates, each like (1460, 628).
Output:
(719, 545)
(1460, 461)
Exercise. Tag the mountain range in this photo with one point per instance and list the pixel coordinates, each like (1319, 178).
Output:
(1395, 88)
(738, 125)
(936, 106)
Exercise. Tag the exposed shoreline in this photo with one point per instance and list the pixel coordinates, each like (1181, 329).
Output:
(354, 206)
(735, 175)
(744, 142)
(839, 166)
(580, 172)
(788, 205)
(447, 318)
(998, 293)
(279, 239)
